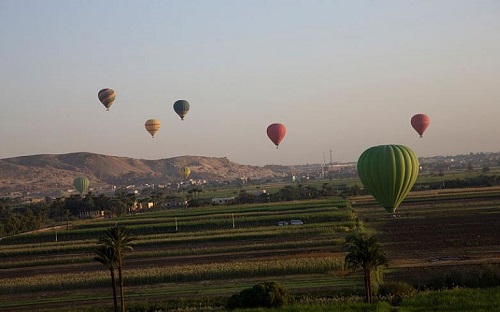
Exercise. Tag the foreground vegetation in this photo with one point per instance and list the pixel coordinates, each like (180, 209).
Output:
(453, 300)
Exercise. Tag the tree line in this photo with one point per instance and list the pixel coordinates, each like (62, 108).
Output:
(18, 218)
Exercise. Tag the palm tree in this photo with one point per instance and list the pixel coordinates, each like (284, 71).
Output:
(119, 240)
(107, 256)
(365, 253)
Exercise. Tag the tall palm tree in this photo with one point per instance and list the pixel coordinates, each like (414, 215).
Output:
(107, 256)
(365, 253)
(119, 240)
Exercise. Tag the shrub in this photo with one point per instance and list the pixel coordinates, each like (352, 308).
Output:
(394, 292)
(195, 203)
(234, 302)
(267, 295)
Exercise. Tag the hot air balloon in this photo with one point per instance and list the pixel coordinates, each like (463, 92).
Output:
(420, 122)
(152, 126)
(184, 172)
(106, 96)
(276, 132)
(388, 172)
(181, 107)
(81, 184)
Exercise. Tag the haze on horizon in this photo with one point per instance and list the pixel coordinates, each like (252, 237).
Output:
(341, 75)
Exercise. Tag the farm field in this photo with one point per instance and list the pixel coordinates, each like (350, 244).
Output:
(437, 232)
(194, 256)
(204, 258)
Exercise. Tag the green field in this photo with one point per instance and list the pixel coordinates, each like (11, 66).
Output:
(205, 257)
(196, 258)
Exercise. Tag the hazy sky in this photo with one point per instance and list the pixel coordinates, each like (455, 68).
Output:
(341, 75)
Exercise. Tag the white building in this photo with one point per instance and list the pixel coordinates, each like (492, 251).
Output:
(223, 200)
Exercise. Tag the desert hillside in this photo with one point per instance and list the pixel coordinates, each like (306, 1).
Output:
(52, 173)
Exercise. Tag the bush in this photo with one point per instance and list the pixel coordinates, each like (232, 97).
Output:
(394, 292)
(195, 203)
(266, 295)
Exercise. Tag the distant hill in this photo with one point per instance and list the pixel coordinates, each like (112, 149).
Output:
(54, 173)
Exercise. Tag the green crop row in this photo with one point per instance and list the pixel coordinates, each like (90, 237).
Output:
(328, 244)
(181, 273)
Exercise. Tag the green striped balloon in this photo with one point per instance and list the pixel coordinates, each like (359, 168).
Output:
(388, 172)
(184, 172)
(81, 184)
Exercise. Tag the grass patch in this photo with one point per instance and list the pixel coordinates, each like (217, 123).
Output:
(455, 300)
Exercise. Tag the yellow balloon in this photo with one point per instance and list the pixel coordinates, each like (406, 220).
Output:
(152, 126)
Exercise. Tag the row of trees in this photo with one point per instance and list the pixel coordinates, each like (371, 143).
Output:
(18, 218)
(289, 193)
(24, 220)
(478, 181)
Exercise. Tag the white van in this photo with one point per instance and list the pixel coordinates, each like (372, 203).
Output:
(296, 222)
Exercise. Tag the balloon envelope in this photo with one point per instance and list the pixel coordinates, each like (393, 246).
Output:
(152, 126)
(420, 122)
(107, 97)
(388, 172)
(276, 132)
(184, 172)
(181, 107)
(81, 184)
